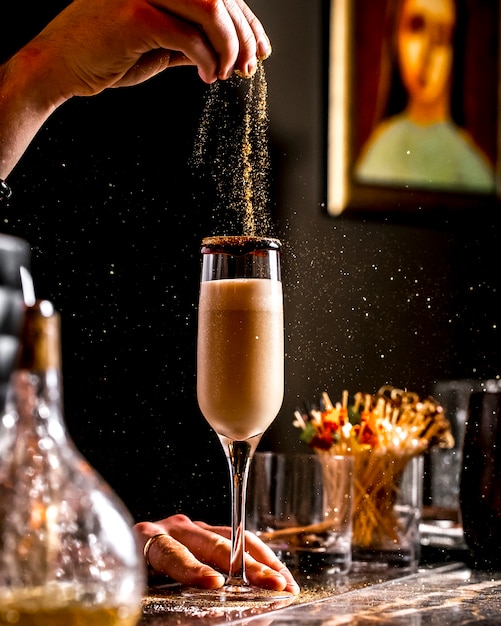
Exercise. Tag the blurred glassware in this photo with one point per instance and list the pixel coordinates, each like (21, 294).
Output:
(480, 487)
(388, 501)
(14, 254)
(67, 550)
(301, 506)
(442, 527)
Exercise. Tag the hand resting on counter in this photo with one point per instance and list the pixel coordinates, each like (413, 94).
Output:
(189, 551)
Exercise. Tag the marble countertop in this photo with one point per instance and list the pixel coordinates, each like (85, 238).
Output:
(448, 593)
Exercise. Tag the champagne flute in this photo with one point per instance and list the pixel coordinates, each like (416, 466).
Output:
(240, 367)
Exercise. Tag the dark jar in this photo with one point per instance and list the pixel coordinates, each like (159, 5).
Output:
(480, 483)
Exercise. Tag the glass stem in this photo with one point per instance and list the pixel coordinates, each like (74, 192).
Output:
(239, 456)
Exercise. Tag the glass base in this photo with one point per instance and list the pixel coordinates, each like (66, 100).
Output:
(240, 594)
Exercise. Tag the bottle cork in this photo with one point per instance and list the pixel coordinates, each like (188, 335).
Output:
(40, 346)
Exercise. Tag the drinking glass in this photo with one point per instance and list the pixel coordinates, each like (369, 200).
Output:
(240, 367)
(300, 505)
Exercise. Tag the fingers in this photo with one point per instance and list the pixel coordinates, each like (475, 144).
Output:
(263, 567)
(261, 553)
(217, 25)
(169, 557)
(134, 40)
(186, 41)
(263, 43)
(246, 51)
(234, 33)
(191, 546)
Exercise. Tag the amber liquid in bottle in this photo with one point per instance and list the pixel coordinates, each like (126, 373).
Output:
(18, 614)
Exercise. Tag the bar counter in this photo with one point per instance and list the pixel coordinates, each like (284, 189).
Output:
(446, 593)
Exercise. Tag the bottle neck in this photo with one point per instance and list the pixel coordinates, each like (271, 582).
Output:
(35, 389)
(40, 348)
(34, 401)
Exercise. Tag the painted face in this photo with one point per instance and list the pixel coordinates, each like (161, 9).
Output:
(425, 47)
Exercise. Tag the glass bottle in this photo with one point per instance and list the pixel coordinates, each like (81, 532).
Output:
(68, 555)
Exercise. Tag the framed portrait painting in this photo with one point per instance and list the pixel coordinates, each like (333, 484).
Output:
(414, 105)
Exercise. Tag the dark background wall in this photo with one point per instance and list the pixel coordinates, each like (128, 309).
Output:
(113, 213)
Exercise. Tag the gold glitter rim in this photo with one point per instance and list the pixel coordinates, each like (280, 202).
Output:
(238, 244)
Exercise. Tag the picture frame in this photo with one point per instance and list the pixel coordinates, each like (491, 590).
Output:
(359, 81)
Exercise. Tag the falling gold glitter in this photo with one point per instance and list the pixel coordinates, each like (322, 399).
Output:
(232, 142)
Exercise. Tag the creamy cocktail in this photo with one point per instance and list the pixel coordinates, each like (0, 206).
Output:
(240, 355)
(240, 372)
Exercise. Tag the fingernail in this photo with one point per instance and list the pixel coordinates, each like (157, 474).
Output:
(263, 50)
(210, 579)
(225, 75)
(293, 588)
(249, 71)
(271, 574)
(252, 67)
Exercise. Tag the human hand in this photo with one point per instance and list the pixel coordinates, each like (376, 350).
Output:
(189, 549)
(92, 45)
